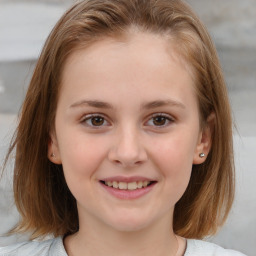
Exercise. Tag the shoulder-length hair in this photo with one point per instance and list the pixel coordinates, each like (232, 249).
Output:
(41, 194)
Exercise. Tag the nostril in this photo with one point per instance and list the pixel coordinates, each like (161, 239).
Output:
(117, 162)
(127, 163)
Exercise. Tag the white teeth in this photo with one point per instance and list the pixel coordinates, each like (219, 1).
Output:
(130, 185)
(145, 183)
(140, 184)
(109, 183)
(115, 184)
(122, 185)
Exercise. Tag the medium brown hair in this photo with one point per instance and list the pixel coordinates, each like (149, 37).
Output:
(42, 197)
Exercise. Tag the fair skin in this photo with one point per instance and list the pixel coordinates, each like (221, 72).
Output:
(127, 113)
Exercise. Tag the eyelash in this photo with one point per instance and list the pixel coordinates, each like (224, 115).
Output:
(167, 118)
(90, 118)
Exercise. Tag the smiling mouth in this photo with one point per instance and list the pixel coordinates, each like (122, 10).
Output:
(128, 185)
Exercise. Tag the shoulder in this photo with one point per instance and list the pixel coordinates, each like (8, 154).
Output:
(203, 248)
(51, 247)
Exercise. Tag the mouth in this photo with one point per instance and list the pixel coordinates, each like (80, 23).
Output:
(128, 186)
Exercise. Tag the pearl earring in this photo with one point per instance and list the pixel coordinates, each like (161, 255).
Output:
(201, 155)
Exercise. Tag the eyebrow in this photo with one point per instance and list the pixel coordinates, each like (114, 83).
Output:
(92, 103)
(162, 103)
(148, 105)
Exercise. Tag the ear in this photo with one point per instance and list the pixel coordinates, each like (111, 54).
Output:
(53, 149)
(204, 140)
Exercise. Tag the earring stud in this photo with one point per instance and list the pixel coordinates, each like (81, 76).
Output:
(201, 155)
(52, 155)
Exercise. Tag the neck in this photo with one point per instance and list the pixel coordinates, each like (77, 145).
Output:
(93, 239)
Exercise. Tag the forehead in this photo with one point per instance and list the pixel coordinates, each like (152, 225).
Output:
(136, 62)
(133, 44)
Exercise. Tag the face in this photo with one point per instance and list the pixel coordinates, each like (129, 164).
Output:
(127, 131)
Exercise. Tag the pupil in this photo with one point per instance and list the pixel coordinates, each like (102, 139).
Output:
(160, 120)
(97, 121)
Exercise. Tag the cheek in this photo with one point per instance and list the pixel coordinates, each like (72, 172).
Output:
(176, 151)
(81, 155)
(81, 158)
(174, 159)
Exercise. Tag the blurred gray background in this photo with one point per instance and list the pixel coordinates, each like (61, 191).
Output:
(24, 26)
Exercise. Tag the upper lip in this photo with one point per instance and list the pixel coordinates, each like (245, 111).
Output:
(127, 179)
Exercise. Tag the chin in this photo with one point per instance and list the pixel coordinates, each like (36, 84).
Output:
(128, 223)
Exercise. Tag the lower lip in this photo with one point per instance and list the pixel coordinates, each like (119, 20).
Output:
(128, 194)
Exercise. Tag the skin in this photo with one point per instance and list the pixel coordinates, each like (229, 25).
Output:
(128, 75)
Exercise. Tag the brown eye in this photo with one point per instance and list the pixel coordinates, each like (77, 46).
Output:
(97, 121)
(94, 121)
(159, 120)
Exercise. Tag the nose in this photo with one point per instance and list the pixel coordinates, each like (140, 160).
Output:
(128, 150)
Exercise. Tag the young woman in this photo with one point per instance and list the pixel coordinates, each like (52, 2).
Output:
(120, 148)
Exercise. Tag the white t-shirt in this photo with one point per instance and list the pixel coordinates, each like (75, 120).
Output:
(55, 247)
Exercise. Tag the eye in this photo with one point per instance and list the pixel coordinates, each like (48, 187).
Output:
(160, 120)
(95, 121)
